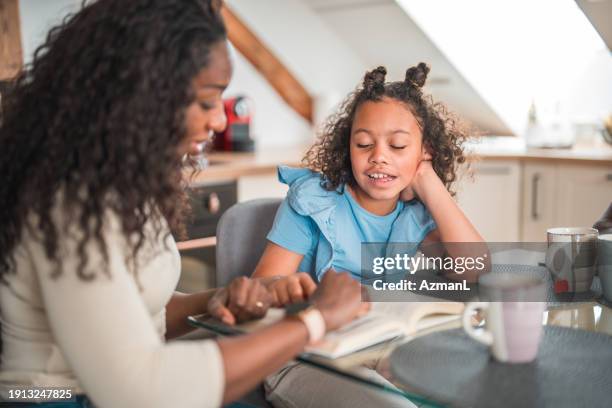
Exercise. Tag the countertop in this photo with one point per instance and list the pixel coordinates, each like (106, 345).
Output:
(233, 165)
(493, 148)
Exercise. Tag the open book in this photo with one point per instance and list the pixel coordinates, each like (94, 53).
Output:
(385, 321)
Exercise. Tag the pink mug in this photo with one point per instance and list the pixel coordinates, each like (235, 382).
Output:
(513, 316)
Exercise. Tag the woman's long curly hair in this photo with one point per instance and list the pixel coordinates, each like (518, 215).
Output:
(99, 113)
(443, 133)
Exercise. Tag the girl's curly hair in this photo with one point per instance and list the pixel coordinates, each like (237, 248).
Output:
(443, 133)
(99, 113)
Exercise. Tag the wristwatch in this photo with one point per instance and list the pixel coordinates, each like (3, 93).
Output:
(312, 318)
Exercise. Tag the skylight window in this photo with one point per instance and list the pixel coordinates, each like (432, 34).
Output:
(512, 52)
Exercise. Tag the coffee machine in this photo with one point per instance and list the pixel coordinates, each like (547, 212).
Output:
(236, 136)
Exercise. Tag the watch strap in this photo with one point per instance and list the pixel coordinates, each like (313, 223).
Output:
(314, 322)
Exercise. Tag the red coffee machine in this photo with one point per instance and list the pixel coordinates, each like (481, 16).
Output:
(236, 136)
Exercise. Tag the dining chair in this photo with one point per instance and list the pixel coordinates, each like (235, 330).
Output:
(241, 239)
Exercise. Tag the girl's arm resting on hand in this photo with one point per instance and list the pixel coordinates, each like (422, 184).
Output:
(454, 229)
(453, 225)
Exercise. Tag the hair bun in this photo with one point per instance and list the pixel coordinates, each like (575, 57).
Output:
(417, 75)
(375, 78)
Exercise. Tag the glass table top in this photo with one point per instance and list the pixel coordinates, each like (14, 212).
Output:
(372, 366)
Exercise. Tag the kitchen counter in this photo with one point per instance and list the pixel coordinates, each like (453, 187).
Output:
(233, 165)
(496, 148)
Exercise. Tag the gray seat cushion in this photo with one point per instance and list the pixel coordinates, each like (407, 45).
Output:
(241, 237)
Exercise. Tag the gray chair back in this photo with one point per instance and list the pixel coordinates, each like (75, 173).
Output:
(241, 237)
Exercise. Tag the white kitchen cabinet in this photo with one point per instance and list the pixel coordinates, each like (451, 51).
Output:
(539, 203)
(585, 191)
(563, 195)
(491, 199)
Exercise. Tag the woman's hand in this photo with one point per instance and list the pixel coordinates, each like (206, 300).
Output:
(423, 173)
(244, 299)
(339, 300)
(290, 289)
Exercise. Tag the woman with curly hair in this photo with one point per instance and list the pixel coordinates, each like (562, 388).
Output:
(93, 144)
(381, 172)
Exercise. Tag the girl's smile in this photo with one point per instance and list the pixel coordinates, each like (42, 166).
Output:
(380, 178)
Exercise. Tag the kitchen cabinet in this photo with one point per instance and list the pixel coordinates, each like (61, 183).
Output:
(208, 203)
(539, 203)
(516, 200)
(584, 194)
(490, 198)
(563, 195)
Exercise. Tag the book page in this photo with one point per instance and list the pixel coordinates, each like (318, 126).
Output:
(385, 321)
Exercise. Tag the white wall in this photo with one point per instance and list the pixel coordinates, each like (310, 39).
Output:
(37, 17)
(274, 123)
(590, 97)
(324, 64)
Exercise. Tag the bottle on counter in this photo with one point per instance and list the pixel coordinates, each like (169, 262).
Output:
(533, 132)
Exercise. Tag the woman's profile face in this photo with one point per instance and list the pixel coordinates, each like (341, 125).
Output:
(205, 115)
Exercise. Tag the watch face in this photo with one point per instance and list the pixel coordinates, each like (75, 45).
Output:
(296, 308)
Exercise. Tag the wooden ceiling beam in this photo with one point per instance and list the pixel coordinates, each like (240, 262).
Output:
(272, 69)
(11, 58)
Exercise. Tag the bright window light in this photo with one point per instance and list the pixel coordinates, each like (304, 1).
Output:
(511, 51)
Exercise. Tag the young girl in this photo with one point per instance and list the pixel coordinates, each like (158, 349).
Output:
(380, 172)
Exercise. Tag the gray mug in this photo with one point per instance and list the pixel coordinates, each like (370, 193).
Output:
(571, 257)
(604, 264)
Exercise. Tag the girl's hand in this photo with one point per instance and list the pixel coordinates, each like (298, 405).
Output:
(244, 299)
(290, 289)
(423, 172)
